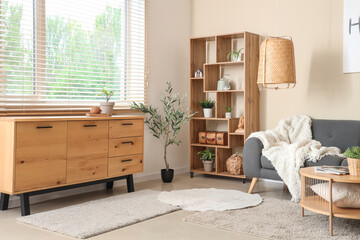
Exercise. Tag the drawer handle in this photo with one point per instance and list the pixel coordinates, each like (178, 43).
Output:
(90, 125)
(126, 160)
(130, 142)
(45, 127)
(127, 124)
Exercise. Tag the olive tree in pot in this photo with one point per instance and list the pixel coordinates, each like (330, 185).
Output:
(106, 107)
(166, 126)
(208, 158)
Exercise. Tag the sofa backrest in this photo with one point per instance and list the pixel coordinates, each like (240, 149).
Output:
(338, 133)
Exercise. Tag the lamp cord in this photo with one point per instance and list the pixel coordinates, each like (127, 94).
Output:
(277, 19)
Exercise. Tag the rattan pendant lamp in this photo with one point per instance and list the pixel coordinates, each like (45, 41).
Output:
(277, 62)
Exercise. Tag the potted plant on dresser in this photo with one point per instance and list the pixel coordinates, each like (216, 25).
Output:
(106, 107)
(207, 105)
(353, 158)
(166, 126)
(208, 158)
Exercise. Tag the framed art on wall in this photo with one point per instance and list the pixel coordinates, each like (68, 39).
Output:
(351, 36)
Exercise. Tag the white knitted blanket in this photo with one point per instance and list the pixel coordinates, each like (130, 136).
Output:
(288, 146)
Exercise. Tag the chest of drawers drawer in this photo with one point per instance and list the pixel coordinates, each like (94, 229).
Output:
(125, 146)
(125, 165)
(126, 128)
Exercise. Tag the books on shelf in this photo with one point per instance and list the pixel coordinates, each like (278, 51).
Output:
(338, 170)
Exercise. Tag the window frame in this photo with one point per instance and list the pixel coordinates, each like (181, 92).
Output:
(39, 30)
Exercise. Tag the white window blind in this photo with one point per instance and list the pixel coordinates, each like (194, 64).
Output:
(57, 55)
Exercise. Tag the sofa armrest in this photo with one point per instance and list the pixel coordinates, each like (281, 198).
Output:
(252, 157)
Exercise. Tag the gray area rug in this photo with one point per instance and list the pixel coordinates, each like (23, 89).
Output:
(100, 216)
(278, 219)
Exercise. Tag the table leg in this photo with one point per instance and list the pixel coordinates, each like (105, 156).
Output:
(302, 212)
(330, 208)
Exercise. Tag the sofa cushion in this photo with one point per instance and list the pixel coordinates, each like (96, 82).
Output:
(326, 161)
(265, 163)
(338, 133)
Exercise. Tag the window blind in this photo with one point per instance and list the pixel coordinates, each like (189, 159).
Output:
(57, 55)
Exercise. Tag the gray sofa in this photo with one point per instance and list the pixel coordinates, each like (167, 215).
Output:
(338, 133)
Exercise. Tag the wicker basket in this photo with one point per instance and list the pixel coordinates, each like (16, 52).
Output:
(234, 165)
(354, 166)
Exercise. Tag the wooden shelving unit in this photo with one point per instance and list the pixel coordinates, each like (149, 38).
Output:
(200, 88)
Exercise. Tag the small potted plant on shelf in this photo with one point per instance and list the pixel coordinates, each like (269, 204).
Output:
(208, 159)
(235, 55)
(106, 107)
(353, 158)
(207, 105)
(166, 126)
(228, 112)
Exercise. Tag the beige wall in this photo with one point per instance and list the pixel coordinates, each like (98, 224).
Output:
(322, 91)
(169, 29)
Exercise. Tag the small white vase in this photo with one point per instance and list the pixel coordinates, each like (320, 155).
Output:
(228, 115)
(107, 107)
(208, 112)
(208, 165)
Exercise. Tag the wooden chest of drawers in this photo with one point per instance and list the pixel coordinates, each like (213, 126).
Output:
(38, 153)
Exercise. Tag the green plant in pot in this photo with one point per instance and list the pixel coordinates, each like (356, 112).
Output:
(353, 158)
(106, 107)
(228, 112)
(207, 106)
(235, 55)
(208, 158)
(166, 125)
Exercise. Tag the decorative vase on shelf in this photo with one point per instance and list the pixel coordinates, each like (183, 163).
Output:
(234, 165)
(198, 73)
(223, 84)
(208, 112)
(228, 115)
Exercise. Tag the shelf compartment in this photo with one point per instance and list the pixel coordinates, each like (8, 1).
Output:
(225, 63)
(225, 174)
(196, 96)
(209, 145)
(223, 100)
(237, 134)
(236, 140)
(221, 156)
(199, 53)
(195, 161)
(225, 91)
(201, 170)
(224, 44)
(210, 119)
(213, 72)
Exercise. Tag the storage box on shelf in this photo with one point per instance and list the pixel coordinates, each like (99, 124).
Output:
(246, 91)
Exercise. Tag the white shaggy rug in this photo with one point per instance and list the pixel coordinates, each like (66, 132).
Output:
(206, 199)
(100, 216)
(278, 219)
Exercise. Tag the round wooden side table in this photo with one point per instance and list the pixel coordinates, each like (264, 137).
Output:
(313, 202)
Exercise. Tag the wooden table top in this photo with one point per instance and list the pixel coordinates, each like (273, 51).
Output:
(310, 172)
(67, 118)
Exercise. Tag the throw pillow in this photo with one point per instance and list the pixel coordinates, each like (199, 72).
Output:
(345, 195)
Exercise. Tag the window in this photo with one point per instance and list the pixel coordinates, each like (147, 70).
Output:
(57, 55)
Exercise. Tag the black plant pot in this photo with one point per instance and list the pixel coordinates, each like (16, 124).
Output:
(167, 176)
